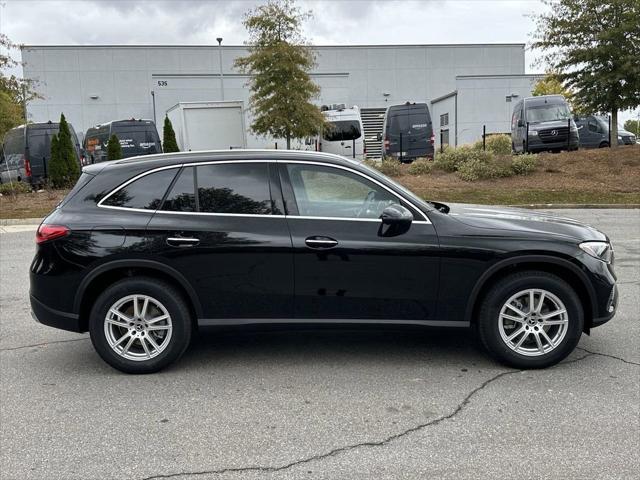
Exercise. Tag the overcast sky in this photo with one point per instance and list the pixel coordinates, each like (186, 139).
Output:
(335, 22)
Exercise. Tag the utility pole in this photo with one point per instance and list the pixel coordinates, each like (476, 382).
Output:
(219, 39)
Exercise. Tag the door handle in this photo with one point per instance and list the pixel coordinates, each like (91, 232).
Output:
(320, 242)
(182, 241)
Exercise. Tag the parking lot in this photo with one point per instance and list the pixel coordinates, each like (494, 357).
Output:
(323, 403)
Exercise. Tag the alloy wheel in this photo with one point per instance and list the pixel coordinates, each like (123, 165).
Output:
(533, 322)
(138, 327)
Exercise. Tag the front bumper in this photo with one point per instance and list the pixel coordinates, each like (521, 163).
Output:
(612, 307)
(54, 318)
(540, 146)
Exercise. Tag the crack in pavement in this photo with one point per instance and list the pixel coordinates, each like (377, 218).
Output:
(379, 443)
(608, 355)
(43, 344)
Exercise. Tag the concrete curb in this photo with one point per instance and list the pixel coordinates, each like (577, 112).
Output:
(627, 206)
(19, 221)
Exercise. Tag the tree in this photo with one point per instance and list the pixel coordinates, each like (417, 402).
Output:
(11, 113)
(68, 153)
(551, 85)
(632, 126)
(15, 92)
(63, 168)
(279, 63)
(114, 151)
(594, 47)
(169, 143)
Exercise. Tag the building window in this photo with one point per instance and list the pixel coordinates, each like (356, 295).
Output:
(444, 119)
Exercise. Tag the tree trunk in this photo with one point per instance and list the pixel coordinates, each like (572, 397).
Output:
(614, 128)
(288, 142)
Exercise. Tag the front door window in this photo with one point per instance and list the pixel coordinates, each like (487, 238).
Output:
(335, 193)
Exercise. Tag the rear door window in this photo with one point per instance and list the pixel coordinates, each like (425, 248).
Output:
(145, 193)
(14, 142)
(137, 140)
(39, 143)
(240, 188)
(182, 197)
(342, 130)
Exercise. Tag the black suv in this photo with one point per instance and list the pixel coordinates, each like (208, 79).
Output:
(143, 251)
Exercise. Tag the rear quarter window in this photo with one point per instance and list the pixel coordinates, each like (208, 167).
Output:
(145, 193)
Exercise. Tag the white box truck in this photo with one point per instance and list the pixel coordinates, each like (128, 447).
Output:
(208, 125)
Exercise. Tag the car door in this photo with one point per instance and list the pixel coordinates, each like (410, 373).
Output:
(348, 265)
(222, 230)
(595, 133)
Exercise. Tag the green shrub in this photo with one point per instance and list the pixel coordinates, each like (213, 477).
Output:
(451, 158)
(64, 167)
(498, 144)
(14, 187)
(420, 167)
(485, 166)
(114, 150)
(523, 164)
(169, 143)
(392, 168)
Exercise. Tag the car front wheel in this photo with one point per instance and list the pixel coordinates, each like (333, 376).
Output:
(531, 320)
(140, 325)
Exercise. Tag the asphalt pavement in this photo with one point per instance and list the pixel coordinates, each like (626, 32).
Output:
(331, 403)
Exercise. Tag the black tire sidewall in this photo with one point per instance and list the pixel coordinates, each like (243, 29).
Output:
(502, 291)
(165, 294)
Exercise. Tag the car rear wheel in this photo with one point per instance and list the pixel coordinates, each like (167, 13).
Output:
(140, 325)
(531, 320)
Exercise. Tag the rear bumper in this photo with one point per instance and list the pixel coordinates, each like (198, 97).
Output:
(55, 318)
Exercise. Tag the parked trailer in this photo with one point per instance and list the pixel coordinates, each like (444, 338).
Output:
(208, 125)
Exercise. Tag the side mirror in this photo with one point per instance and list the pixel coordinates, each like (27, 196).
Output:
(379, 137)
(396, 214)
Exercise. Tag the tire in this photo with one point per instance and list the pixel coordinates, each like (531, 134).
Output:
(111, 333)
(562, 331)
(604, 145)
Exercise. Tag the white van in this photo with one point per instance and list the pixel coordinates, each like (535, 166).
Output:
(343, 133)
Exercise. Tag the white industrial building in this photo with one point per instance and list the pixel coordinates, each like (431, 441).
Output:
(466, 86)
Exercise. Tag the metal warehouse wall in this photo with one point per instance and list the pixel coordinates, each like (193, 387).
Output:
(489, 101)
(95, 84)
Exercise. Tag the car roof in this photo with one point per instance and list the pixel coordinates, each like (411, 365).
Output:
(542, 99)
(168, 159)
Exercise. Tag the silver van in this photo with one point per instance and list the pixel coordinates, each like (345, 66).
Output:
(27, 151)
(543, 123)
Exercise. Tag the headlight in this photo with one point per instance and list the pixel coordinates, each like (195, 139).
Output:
(600, 250)
(533, 133)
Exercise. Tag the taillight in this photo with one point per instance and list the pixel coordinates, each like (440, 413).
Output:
(432, 140)
(27, 167)
(387, 144)
(50, 232)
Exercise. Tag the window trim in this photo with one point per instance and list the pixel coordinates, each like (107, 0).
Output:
(276, 161)
(131, 180)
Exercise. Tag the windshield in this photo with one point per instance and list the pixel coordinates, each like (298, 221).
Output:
(342, 130)
(548, 113)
